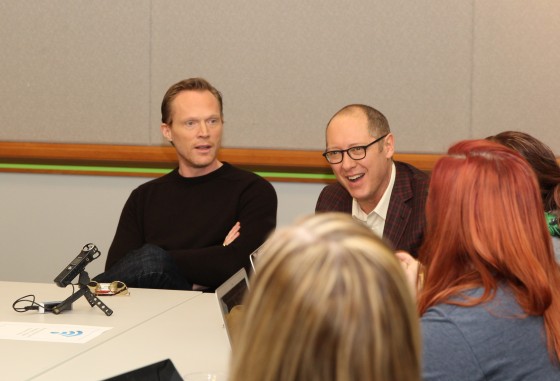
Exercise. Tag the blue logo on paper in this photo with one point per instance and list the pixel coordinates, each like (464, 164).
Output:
(68, 333)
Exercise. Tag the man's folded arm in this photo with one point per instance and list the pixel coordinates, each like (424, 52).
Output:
(213, 265)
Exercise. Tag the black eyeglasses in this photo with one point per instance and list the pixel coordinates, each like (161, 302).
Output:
(356, 153)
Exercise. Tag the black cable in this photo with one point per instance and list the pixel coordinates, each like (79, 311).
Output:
(31, 306)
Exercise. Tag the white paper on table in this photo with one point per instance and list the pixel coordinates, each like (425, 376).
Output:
(60, 333)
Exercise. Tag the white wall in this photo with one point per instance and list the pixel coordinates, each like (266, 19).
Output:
(46, 219)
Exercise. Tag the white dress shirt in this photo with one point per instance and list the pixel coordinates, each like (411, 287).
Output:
(376, 218)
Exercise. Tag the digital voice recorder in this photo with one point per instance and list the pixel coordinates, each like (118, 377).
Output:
(89, 253)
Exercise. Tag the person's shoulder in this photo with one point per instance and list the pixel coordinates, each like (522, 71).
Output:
(502, 304)
(166, 178)
(154, 183)
(411, 181)
(335, 189)
(405, 169)
(441, 311)
(236, 172)
(334, 198)
(239, 175)
(334, 192)
(450, 309)
(232, 172)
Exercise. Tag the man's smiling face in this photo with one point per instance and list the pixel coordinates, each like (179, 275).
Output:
(365, 179)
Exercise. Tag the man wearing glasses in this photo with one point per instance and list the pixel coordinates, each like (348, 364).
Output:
(387, 196)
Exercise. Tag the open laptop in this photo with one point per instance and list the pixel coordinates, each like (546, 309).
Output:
(253, 257)
(230, 298)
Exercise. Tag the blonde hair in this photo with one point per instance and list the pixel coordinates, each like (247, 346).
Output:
(329, 301)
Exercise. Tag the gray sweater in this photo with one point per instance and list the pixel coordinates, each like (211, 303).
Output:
(485, 342)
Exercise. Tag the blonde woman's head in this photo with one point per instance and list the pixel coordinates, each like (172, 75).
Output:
(328, 301)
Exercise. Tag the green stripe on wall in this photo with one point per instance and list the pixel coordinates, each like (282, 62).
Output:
(131, 170)
(50, 167)
(296, 176)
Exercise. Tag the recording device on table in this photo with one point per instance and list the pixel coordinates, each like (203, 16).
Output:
(77, 268)
(89, 253)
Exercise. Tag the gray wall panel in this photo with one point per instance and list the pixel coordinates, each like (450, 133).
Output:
(75, 71)
(286, 67)
(441, 71)
(517, 61)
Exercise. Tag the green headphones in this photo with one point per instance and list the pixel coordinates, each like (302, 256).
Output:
(552, 221)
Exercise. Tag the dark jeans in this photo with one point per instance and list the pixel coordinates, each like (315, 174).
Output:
(147, 267)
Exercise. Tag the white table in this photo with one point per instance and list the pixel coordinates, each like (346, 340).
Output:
(147, 326)
(191, 334)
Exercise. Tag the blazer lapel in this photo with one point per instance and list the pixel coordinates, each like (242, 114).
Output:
(399, 212)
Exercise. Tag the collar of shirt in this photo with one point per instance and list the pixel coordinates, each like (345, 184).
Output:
(376, 218)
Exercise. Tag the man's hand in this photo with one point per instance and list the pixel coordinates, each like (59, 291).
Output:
(233, 234)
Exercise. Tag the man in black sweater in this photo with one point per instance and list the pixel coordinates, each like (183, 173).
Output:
(197, 225)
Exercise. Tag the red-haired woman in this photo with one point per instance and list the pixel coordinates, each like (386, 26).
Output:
(490, 299)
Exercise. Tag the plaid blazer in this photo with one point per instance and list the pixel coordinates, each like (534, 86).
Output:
(406, 219)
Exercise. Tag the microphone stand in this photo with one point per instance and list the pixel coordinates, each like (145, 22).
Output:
(83, 291)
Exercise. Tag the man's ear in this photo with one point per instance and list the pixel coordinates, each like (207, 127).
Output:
(166, 131)
(389, 146)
